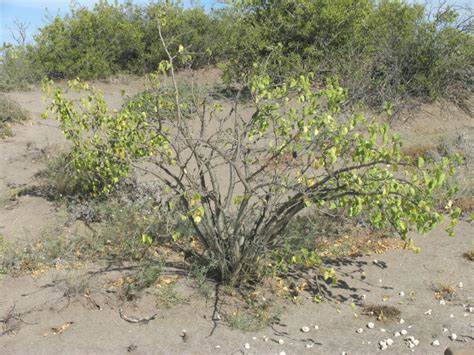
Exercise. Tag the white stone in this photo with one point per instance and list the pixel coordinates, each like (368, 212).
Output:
(383, 345)
(416, 341)
(217, 346)
(254, 338)
(265, 339)
(460, 285)
(402, 293)
(380, 280)
(247, 346)
(397, 334)
(453, 336)
(281, 341)
(389, 342)
(363, 297)
(411, 345)
(383, 330)
(370, 325)
(442, 302)
(305, 329)
(316, 327)
(360, 330)
(282, 353)
(401, 321)
(435, 342)
(404, 332)
(428, 312)
(445, 330)
(471, 309)
(451, 316)
(308, 346)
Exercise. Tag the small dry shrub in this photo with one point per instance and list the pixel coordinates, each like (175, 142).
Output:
(382, 312)
(469, 255)
(445, 292)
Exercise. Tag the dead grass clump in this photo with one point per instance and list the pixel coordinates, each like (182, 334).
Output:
(358, 244)
(445, 292)
(421, 150)
(465, 203)
(382, 312)
(469, 255)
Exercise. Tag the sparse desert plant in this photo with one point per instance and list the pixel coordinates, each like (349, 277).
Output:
(168, 296)
(61, 180)
(227, 180)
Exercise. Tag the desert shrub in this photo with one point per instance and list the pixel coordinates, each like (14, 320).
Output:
(10, 112)
(199, 32)
(16, 72)
(381, 51)
(231, 183)
(99, 42)
(89, 43)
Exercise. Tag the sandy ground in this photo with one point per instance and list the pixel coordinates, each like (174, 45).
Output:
(399, 278)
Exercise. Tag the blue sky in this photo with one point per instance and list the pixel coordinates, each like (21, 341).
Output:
(34, 13)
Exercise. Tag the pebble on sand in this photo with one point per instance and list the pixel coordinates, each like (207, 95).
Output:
(453, 336)
(247, 346)
(401, 321)
(360, 330)
(370, 325)
(403, 332)
(428, 312)
(305, 329)
(402, 293)
(389, 342)
(435, 342)
(281, 341)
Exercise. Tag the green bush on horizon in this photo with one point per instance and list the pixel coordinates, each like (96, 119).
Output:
(382, 51)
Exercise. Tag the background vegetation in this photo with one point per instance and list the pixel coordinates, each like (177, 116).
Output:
(385, 50)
